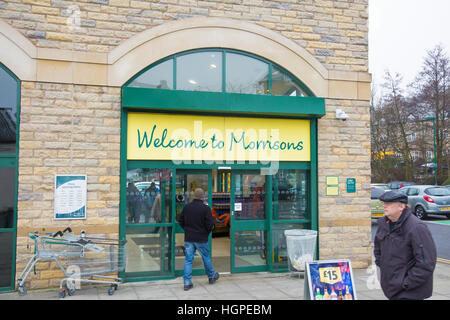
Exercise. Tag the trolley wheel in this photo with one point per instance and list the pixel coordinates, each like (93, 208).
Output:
(62, 293)
(70, 291)
(22, 290)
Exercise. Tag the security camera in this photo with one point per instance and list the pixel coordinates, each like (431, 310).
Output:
(340, 114)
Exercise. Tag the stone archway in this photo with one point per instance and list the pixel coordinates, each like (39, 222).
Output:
(147, 47)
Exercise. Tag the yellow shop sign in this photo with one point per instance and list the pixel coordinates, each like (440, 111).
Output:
(211, 138)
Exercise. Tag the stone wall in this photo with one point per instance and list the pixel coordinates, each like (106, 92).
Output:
(344, 151)
(335, 32)
(74, 128)
(66, 129)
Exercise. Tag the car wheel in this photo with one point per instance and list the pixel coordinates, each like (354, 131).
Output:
(420, 213)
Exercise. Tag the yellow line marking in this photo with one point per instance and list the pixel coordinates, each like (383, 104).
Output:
(443, 260)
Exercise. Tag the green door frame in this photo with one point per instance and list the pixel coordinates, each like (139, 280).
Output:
(12, 161)
(177, 227)
(249, 225)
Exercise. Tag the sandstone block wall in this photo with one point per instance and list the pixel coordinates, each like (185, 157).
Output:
(334, 31)
(66, 129)
(73, 128)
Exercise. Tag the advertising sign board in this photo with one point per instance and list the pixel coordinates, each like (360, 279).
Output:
(329, 280)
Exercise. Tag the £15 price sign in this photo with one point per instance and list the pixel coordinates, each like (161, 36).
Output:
(330, 275)
(329, 280)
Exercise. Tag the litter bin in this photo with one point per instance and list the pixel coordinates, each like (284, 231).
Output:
(301, 246)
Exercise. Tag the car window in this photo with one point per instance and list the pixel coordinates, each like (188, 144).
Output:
(376, 193)
(413, 192)
(437, 191)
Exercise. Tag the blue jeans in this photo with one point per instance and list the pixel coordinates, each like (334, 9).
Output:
(203, 249)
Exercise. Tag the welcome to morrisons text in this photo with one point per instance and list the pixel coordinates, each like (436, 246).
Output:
(161, 140)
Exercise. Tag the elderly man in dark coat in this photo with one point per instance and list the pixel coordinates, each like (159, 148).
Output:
(404, 251)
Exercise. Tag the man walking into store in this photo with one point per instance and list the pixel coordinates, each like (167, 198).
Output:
(404, 251)
(197, 222)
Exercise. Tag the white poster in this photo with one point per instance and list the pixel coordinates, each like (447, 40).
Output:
(70, 196)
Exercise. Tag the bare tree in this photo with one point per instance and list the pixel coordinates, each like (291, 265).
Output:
(431, 99)
(397, 115)
(381, 163)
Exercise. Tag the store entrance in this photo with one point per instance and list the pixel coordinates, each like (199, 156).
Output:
(221, 210)
(238, 203)
(216, 184)
(251, 212)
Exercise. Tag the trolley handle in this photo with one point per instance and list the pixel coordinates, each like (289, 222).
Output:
(61, 233)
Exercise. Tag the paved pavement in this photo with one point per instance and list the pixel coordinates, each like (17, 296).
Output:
(247, 286)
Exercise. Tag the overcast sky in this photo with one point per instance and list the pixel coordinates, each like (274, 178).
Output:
(401, 32)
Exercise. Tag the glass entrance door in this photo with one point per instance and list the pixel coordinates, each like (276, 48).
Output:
(185, 184)
(148, 223)
(249, 226)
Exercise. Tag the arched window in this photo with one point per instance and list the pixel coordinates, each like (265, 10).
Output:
(9, 110)
(219, 70)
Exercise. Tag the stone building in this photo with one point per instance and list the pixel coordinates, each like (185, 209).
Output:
(84, 81)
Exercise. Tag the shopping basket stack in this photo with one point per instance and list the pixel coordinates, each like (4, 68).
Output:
(81, 259)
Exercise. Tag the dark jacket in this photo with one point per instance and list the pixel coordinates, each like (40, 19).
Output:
(406, 256)
(197, 221)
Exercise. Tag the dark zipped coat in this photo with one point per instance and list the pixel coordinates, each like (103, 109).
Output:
(406, 257)
(197, 221)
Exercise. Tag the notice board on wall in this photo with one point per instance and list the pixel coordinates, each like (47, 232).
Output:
(70, 196)
(329, 280)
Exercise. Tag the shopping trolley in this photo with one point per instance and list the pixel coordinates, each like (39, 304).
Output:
(80, 258)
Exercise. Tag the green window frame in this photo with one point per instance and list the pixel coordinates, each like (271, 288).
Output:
(271, 66)
(10, 160)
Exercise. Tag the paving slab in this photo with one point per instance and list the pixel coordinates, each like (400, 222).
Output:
(248, 286)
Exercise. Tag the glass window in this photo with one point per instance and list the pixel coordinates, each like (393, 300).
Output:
(376, 193)
(246, 75)
(185, 187)
(203, 71)
(250, 248)
(437, 191)
(6, 254)
(279, 246)
(250, 193)
(148, 195)
(8, 112)
(290, 194)
(149, 250)
(200, 71)
(7, 187)
(158, 77)
(284, 85)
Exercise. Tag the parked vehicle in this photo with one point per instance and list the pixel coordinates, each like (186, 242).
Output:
(399, 184)
(428, 199)
(376, 205)
(383, 186)
(142, 186)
